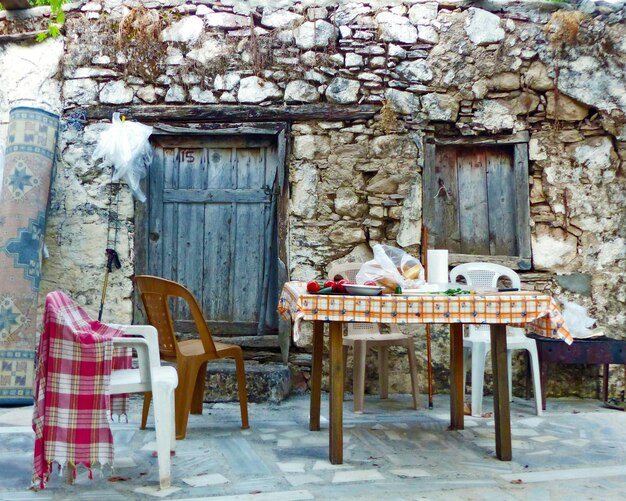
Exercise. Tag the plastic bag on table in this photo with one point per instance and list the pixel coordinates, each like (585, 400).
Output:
(392, 267)
(578, 322)
(125, 146)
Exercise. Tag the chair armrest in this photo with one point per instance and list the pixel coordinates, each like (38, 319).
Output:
(146, 336)
(165, 376)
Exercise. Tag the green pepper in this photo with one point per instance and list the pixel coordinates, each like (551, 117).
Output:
(326, 290)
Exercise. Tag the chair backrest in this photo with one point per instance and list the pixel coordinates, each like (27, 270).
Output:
(349, 272)
(346, 270)
(155, 293)
(484, 274)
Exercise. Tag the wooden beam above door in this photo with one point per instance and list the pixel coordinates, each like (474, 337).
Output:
(226, 113)
(15, 4)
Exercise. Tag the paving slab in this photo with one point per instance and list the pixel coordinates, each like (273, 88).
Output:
(576, 450)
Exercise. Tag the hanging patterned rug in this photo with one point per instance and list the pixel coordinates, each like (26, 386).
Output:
(29, 158)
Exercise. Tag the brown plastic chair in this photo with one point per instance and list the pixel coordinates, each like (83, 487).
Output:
(191, 356)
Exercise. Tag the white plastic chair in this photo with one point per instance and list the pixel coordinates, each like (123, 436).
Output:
(478, 338)
(150, 376)
(363, 336)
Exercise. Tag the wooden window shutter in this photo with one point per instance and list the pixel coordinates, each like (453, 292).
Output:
(476, 201)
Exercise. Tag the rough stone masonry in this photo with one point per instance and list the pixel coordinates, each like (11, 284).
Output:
(552, 70)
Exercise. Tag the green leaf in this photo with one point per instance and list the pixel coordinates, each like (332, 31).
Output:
(54, 30)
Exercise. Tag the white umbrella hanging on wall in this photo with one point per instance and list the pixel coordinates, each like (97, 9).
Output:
(125, 146)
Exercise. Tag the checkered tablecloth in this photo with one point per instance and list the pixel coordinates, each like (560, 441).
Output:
(537, 312)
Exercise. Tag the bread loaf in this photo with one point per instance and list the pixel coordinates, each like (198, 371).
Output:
(388, 284)
(412, 272)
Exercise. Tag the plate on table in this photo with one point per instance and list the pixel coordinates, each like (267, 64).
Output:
(363, 290)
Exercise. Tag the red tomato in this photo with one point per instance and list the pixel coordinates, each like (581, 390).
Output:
(329, 283)
(313, 286)
(340, 285)
(370, 282)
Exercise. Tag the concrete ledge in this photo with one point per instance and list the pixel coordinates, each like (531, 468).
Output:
(265, 382)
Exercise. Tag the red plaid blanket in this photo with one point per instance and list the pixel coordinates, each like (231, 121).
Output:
(72, 403)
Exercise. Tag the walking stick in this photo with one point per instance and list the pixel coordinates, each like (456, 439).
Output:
(111, 253)
(428, 352)
(112, 258)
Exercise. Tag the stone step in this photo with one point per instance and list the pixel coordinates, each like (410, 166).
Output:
(269, 382)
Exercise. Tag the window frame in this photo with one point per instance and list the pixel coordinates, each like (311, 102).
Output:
(521, 176)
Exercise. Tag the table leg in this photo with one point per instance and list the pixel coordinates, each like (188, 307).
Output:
(456, 377)
(316, 375)
(336, 394)
(501, 402)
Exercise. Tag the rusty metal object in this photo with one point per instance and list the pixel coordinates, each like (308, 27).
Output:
(600, 350)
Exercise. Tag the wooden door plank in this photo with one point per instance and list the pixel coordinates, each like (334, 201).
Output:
(249, 249)
(211, 195)
(220, 167)
(473, 209)
(522, 200)
(233, 234)
(218, 250)
(445, 228)
(265, 251)
(250, 168)
(501, 202)
(189, 258)
(218, 258)
(203, 141)
(170, 217)
(271, 287)
(225, 328)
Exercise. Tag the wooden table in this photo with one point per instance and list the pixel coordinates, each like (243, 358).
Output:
(537, 311)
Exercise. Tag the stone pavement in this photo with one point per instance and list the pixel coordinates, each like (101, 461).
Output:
(576, 450)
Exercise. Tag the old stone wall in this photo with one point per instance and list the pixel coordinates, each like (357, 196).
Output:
(436, 68)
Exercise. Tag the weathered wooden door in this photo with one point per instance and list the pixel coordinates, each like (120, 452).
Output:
(210, 224)
(476, 201)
